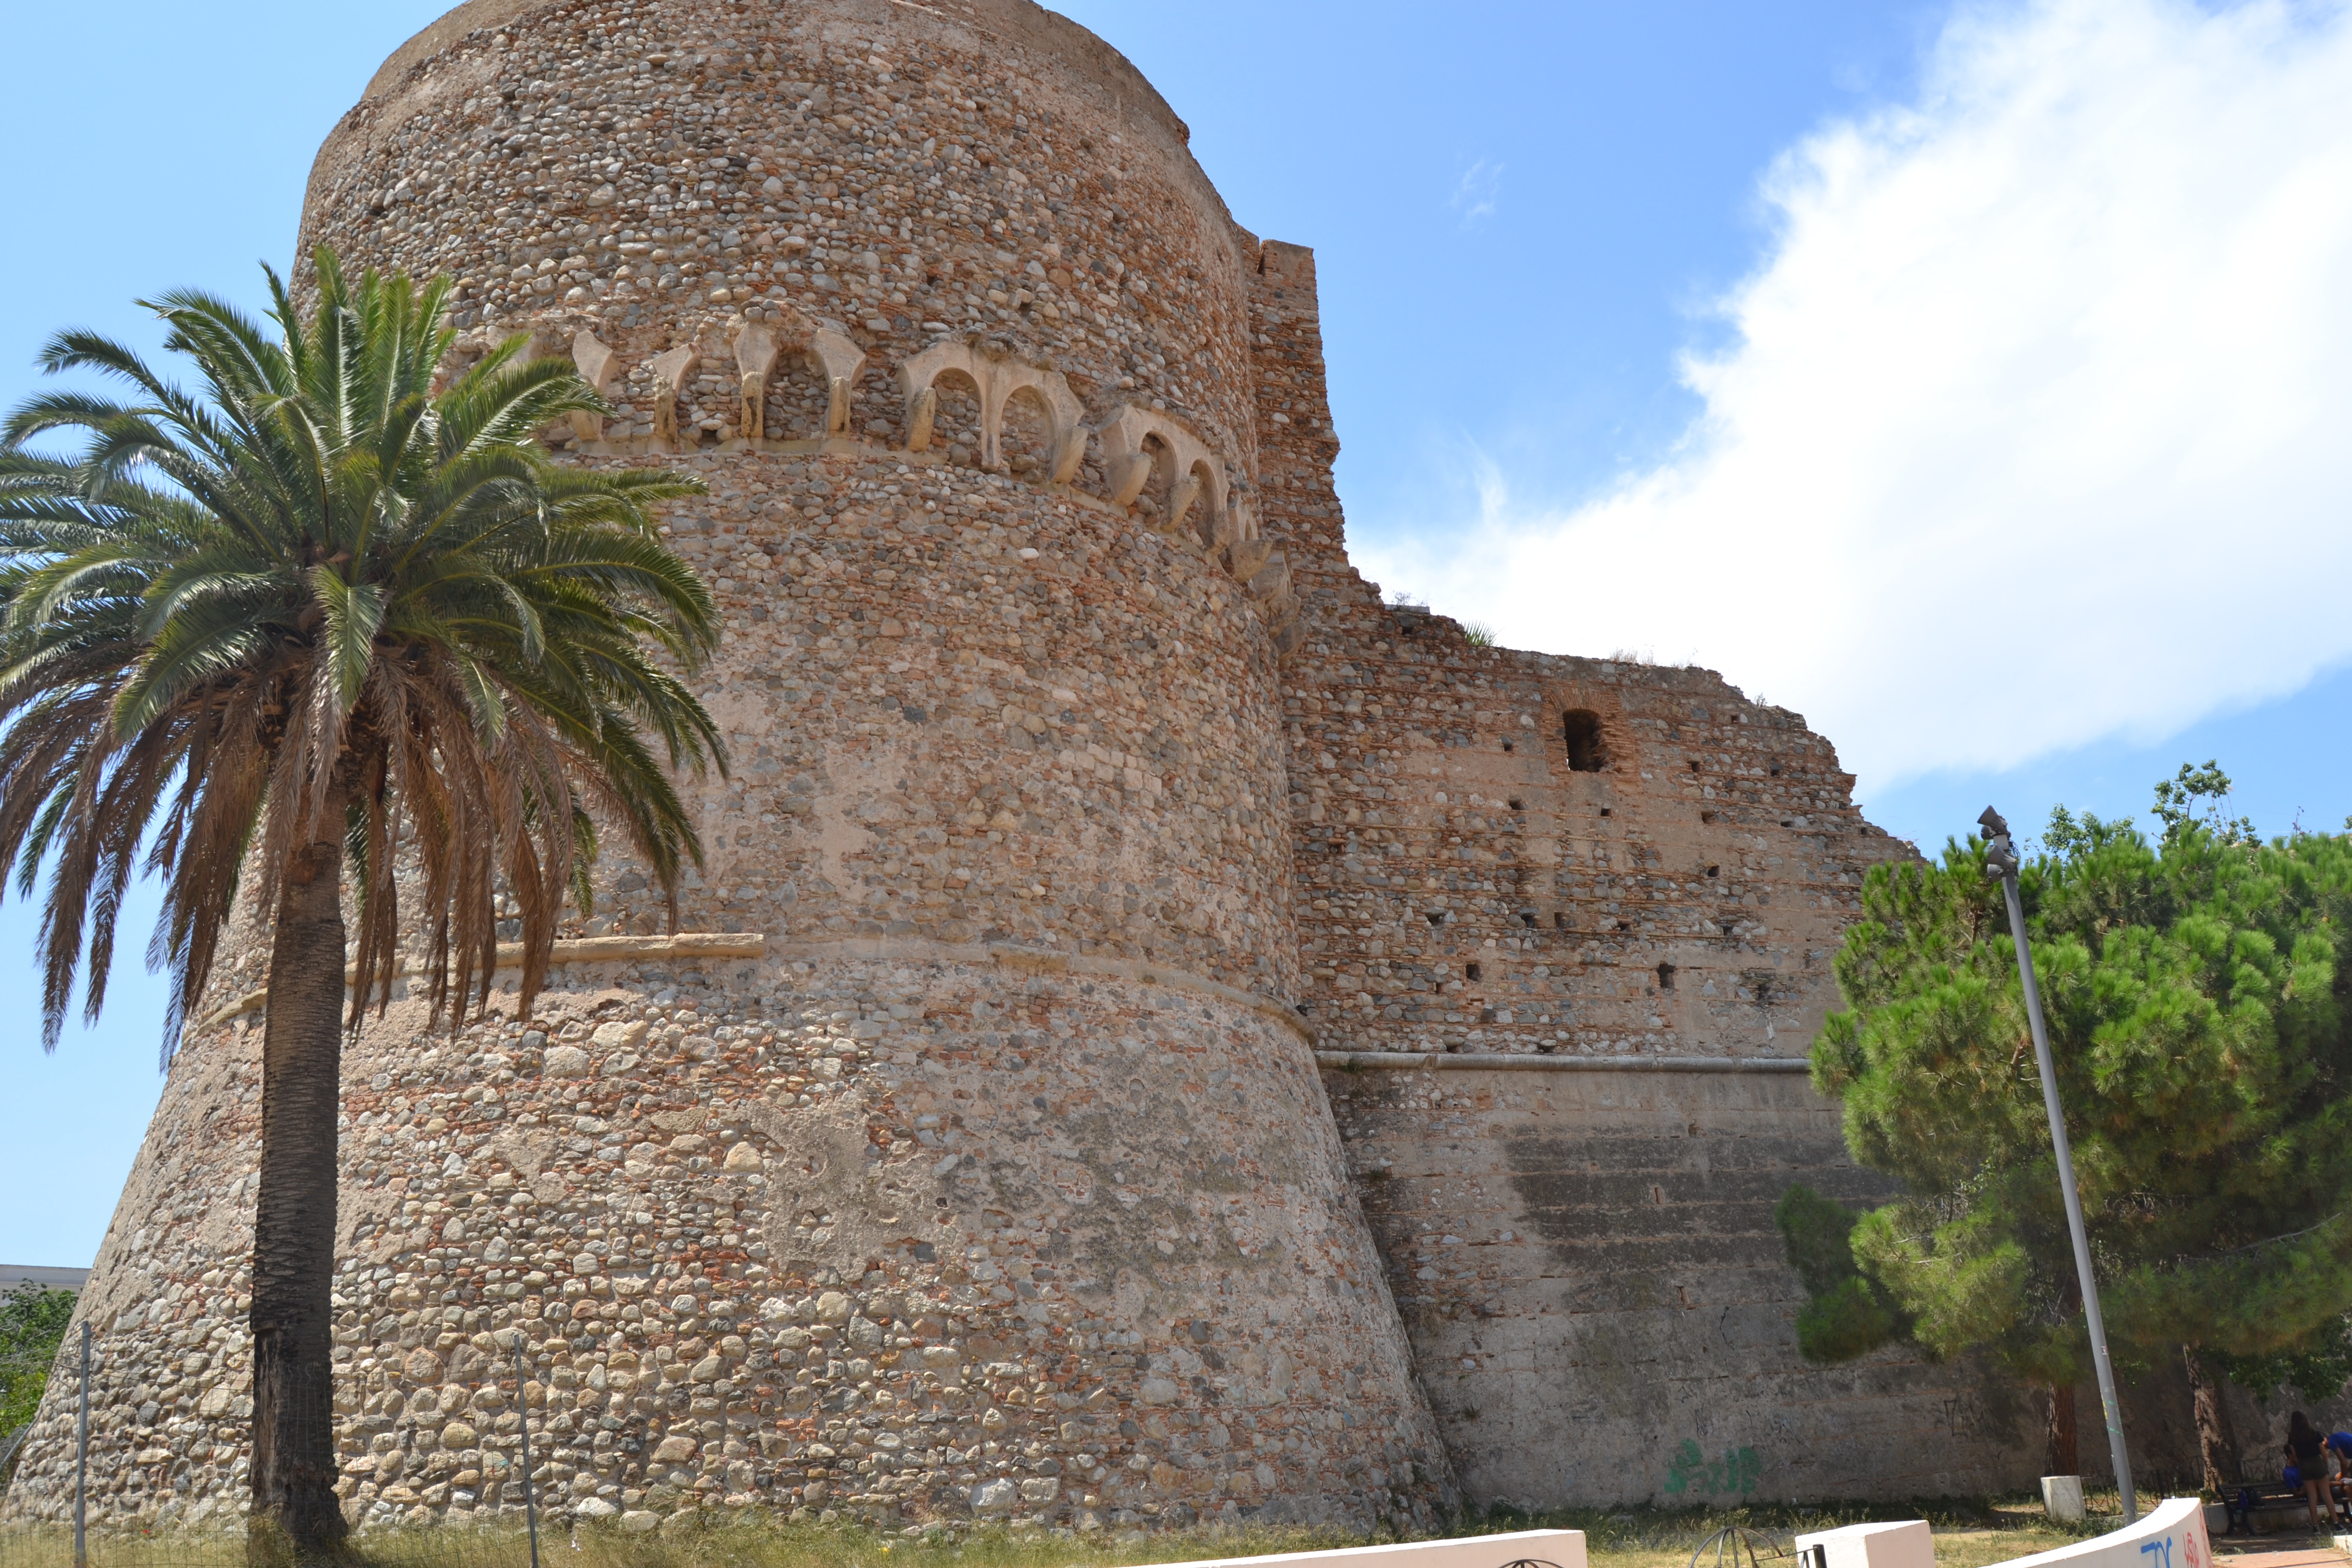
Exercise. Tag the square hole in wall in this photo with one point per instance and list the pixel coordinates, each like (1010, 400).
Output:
(1518, 806)
(1581, 728)
(1715, 870)
(1707, 816)
(1470, 971)
(1604, 811)
(1527, 919)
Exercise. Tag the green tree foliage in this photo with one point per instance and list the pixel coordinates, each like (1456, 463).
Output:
(2195, 993)
(32, 1325)
(1846, 1313)
(2316, 1371)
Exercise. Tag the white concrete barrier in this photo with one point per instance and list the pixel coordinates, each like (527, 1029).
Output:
(1903, 1543)
(2062, 1498)
(2171, 1535)
(1558, 1547)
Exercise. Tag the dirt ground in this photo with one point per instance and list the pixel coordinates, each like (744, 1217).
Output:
(1969, 1533)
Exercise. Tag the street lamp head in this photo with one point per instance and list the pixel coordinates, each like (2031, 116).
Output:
(2000, 855)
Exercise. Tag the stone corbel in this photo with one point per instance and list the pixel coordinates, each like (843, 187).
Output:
(1128, 477)
(1187, 491)
(920, 416)
(1264, 573)
(1245, 556)
(840, 360)
(596, 364)
(1272, 581)
(670, 373)
(755, 358)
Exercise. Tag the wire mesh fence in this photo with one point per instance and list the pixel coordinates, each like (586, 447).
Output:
(82, 1464)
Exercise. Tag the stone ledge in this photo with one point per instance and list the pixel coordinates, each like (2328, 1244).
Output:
(1044, 960)
(585, 950)
(752, 944)
(1496, 1061)
(1154, 974)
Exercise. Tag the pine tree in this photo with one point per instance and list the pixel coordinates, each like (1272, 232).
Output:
(2195, 988)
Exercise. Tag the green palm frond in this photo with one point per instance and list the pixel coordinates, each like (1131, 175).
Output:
(309, 581)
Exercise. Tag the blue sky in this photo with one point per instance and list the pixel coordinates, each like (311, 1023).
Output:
(1970, 380)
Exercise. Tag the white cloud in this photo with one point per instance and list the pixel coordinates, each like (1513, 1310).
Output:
(2038, 428)
(1477, 192)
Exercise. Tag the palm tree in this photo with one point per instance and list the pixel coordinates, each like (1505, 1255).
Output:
(321, 617)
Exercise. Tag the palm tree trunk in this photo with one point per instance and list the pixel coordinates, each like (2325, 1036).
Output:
(294, 1501)
(2064, 1455)
(2217, 1444)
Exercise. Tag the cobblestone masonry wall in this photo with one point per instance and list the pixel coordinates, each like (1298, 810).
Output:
(1004, 1186)
(911, 1237)
(1080, 787)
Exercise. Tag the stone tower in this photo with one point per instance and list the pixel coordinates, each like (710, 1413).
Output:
(966, 1155)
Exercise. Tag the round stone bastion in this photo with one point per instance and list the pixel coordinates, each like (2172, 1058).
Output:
(960, 1155)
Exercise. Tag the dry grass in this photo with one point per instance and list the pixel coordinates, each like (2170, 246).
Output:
(1967, 1535)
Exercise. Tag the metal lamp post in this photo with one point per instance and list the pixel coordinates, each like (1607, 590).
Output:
(2000, 860)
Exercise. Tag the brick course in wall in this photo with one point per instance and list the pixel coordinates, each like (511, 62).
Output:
(1081, 792)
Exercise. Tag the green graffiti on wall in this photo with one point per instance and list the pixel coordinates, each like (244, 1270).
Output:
(1734, 1474)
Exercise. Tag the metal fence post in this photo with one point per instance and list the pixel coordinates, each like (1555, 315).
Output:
(522, 1408)
(81, 1459)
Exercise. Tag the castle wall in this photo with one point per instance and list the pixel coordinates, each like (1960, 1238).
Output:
(1580, 1236)
(1441, 823)
(1587, 1262)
